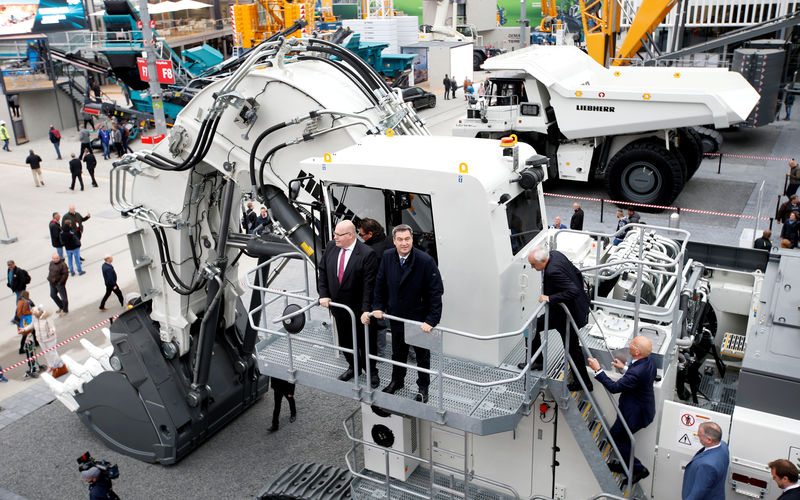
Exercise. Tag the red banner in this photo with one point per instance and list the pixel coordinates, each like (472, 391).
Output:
(164, 71)
(142, 64)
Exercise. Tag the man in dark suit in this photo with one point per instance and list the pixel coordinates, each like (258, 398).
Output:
(784, 473)
(576, 222)
(408, 286)
(562, 283)
(374, 236)
(347, 276)
(704, 476)
(636, 402)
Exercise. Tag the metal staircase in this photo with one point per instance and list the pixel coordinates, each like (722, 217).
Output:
(73, 90)
(590, 429)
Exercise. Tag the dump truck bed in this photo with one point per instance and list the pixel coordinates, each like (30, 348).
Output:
(591, 100)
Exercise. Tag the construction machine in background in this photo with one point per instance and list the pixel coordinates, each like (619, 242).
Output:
(476, 22)
(637, 129)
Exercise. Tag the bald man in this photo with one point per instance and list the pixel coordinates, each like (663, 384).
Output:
(77, 220)
(347, 276)
(636, 402)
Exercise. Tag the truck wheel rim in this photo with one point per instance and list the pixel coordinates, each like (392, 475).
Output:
(640, 181)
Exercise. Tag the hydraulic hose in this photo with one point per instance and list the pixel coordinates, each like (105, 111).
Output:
(360, 83)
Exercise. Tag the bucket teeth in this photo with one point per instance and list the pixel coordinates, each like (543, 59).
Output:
(85, 372)
(101, 354)
(64, 391)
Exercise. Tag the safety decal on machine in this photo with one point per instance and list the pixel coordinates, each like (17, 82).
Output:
(794, 455)
(686, 434)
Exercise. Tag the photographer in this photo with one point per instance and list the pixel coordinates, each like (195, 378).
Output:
(98, 473)
(99, 484)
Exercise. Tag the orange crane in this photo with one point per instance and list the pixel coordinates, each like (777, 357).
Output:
(601, 25)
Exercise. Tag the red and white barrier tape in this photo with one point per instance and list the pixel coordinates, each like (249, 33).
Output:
(748, 157)
(64, 342)
(659, 207)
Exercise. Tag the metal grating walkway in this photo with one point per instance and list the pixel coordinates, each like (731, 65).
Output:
(418, 482)
(480, 410)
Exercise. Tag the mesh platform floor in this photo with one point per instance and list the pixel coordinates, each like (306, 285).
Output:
(418, 482)
(459, 397)
(721, 393)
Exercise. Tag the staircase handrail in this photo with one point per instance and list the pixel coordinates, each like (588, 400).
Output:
(628, 468)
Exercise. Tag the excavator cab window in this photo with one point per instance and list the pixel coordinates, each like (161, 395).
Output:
(524, 219)
(507, 92)
(390, 208)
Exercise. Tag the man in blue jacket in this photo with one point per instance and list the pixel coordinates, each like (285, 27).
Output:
(110, 279)
(704, 476)
(636, 402)
(408, 286)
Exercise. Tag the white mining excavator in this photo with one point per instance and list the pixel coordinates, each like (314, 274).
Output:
(315, 134)
(640, 130)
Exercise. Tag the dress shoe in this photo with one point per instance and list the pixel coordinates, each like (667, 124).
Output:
(103, 309)
(273, 428)
(576, 386)
(347, 375)
(22, 351)
(616, 467)
(374, 381)
(392, 387)
(292, 418)
(640, 474)
(81, 273)
(422, 396)
(536, 366)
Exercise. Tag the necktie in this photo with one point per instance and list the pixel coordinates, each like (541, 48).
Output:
(341, 264)
(402, 261)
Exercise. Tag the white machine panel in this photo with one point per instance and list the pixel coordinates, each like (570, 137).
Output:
(575, 161)
(760, 438)
(395, 432)
(678, 442)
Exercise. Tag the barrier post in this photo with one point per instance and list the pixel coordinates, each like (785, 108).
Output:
(719, 165)
(601, 209)
(778, 207)
(8, 238)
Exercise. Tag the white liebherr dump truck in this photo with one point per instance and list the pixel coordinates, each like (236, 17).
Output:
(638, 129)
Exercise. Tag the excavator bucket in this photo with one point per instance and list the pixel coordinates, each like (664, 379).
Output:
(134, 397)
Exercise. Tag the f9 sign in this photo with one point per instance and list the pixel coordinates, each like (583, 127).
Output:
(164, 71)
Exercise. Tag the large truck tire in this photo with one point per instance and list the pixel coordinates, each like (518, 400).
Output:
(691, 149)
(645, 172)
(710, 139)
(477, 60)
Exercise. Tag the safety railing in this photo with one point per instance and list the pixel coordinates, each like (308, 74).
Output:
(312, 302)
(627, 467)
(351, 459)
(668, 266)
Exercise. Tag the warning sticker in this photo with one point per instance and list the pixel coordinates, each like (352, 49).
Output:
(686, 433)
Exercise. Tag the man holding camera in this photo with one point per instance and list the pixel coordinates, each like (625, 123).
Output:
(99, 484)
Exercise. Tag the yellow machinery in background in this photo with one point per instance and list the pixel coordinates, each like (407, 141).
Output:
(601, 25)
(325, 13)
(550, 20)
(255, 22)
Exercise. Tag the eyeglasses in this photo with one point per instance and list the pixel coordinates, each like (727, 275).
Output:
(342, 235)
(362, 234)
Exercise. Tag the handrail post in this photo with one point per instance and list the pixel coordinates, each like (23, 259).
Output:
(440, 357)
